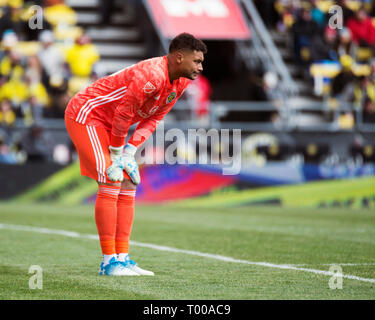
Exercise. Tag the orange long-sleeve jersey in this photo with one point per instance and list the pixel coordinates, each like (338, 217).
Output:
(140, 93)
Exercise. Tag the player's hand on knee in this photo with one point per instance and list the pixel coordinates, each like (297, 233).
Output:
(130, 165)
(115, 171)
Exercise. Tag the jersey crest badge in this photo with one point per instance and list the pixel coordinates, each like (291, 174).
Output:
(149, 87)
(171, 97)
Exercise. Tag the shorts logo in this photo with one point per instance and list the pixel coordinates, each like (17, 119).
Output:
(149, 87)
(171, 97)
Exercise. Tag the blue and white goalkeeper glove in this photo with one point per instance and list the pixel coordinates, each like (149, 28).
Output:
(130, 165)
(115, 171)
(123, 160)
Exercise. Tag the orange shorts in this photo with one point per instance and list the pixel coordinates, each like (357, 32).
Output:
(92, 145)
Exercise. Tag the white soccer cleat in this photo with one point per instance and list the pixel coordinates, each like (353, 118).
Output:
(126, 271)
(116, 268)
(133, 267)
(141, 272)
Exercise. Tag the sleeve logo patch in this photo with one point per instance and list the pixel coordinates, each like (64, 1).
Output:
(171, 97)
(149, 87)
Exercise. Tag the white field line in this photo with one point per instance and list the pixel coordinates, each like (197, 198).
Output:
(333, 263)
(73, 234)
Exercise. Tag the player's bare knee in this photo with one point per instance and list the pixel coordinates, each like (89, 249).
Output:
(128, 185)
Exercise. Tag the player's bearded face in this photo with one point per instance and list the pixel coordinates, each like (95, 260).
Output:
(192, 64)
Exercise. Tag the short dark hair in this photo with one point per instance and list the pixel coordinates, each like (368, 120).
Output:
(186, 41)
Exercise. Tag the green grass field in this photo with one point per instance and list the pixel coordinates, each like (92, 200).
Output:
(307, 240)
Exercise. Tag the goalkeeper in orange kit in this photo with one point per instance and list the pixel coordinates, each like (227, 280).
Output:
(98, 119)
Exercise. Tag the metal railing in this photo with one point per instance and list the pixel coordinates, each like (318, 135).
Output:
(288, 122)
(219, 110)
(262, 45)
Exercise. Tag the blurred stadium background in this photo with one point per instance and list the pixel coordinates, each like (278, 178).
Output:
(302, 93)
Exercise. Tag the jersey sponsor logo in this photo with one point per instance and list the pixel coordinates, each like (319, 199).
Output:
(153, 110)
(142, 114)
(149, 87)
(150, 112)
(171, 97)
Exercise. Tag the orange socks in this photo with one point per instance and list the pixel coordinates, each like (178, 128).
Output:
(125, 215)
(114, 212)
(106, 217)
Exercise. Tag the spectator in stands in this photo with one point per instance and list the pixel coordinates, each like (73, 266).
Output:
(303, 30)
(368, 114)
(33, 70)
(5, 21)
(347, 12)
(365, 95)
(52, 61)
(362, 89)
(36, 144)
(199, 93)
(82, 57)
(10, 19)
(6, 156)
(38, 96)
(11, 60)
(7, 115)
(344, 44)
(318, 15)
(362, 28)
(343, 83)
(372, 74)
(15, 90)
(324, 48)
(288, 11)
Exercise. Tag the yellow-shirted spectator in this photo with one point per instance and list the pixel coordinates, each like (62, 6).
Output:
(364, 89)
(15, 90)
(6, 67)
(60, 13)
(11, 64)
(39, 92)
(33, 77)
(370, 90)
(82, 56)
(7, 115)
(346, 120)
(12, 3)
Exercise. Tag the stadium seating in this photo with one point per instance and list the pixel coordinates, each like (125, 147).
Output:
(252, 102)
(315, 46)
